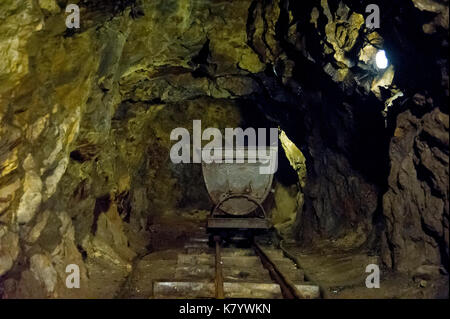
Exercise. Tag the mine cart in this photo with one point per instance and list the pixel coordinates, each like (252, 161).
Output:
(239, 189)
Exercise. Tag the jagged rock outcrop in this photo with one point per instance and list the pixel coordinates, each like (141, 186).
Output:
(416, 204)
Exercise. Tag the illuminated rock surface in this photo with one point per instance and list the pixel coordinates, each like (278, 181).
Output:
(85, 119)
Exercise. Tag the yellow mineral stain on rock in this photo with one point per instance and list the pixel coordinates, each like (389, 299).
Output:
(35, 130)
(124, 183)
(295, 157)
(7, 194)
(9, 164)
(383, 80)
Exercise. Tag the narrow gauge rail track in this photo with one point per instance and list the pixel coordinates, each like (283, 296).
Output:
(255, 270)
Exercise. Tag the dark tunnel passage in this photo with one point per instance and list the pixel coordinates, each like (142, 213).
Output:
(90, 115)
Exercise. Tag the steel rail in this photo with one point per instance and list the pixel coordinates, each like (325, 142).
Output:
(219, 274)
(288, 288)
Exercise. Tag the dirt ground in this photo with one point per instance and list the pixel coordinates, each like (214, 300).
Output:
(340, 274)
(168, 235)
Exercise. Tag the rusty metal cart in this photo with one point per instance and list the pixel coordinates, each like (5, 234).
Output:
(238, 189)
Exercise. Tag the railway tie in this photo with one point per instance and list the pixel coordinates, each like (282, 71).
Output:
(260, 271)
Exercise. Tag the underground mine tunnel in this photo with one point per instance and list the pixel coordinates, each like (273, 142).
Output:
(106, 111)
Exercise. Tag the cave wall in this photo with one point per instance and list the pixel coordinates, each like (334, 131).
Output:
(85, 115)
(84, 150)
(416, 203)
(375, 141)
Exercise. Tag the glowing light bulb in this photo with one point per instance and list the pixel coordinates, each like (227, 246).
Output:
(381, 60)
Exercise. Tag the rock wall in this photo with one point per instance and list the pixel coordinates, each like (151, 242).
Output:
(85, 117)
(416, 203)
(375, 141)
(337, 113)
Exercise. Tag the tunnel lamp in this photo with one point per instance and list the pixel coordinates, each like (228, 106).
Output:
(381, 60)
